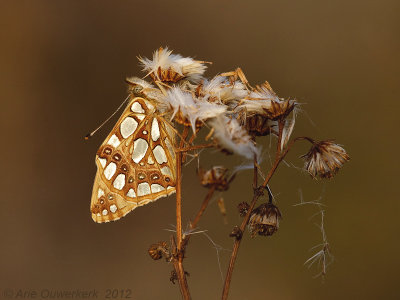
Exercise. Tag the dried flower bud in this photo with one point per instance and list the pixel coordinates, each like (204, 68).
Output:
(324, 159)
(158, 250)
(264, 102)
(173, 276)
(216, 176)
(243, 208)
(264, 220)
(236, 233)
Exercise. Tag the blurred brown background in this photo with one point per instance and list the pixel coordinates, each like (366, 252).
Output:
(63, 65)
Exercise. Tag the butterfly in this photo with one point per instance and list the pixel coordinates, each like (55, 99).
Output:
(136, 163)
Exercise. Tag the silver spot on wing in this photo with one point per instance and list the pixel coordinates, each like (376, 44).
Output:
(109, 171)
(155, 188)
(143, 189)
(114, 141)
(102, 161)
(100, 193)
(128, 126)
(119, 182)
(113, 208)
(131, 193)
(139, 150)
(155, 130)
(137, 108)
(159, 154)
(166, 171)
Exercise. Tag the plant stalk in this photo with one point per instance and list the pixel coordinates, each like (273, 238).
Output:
(278, 158)
(178, 261)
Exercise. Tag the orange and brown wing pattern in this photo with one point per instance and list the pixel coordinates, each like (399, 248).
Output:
(135, 164)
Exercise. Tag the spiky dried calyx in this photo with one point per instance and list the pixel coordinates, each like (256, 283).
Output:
(217, 176)
(243, 208)
(159, 250)
(264, 220)
(280, 109)
(174, 276)
(324, 159)
(258, 125)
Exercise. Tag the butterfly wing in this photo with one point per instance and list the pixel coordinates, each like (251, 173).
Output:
(135, 164)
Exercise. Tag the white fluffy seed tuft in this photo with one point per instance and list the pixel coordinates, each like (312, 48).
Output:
(164, 59)
(232, 137)
(193, 109)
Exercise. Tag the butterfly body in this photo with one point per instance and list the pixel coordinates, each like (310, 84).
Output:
(135, 163)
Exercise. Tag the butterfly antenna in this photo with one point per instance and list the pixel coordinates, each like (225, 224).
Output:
(89, 135)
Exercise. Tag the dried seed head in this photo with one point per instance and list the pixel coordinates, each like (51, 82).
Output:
(168, 67)
(220, 90)
(217, 176)
(243, 208)
(324, 159)
(264, 220)
(261, 109)
(158, 250)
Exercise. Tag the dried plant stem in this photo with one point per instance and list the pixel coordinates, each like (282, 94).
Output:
(178, 261)
(196, 219)
(203, 207)
(196, 147)
(257, 193)
(190, 142)
(255, 169)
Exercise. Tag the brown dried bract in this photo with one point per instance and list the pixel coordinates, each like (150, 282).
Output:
(168, 75)
(258, 125)
(179, 118)
(280, 109)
